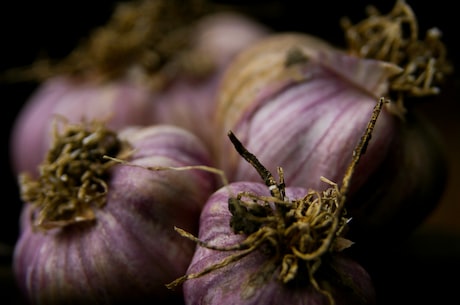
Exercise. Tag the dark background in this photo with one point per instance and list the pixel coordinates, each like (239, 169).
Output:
(423, 269)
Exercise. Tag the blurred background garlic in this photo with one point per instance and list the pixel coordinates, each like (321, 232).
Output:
(188, 100)
(129, 72)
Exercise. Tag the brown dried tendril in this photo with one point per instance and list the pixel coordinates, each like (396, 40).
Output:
(292, 231)
(394, 38)
(72, 177)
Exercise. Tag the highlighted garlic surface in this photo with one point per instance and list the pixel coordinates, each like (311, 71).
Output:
(121, 249)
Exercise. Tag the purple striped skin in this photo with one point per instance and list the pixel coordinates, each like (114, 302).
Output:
(227, 286)
(310, 128)
(119, 103)
(307, 118)
(131, 251)
(399, 179)
(319, 140)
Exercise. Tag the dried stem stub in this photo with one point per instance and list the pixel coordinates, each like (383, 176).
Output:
(394, 38)
(72, 178)
(297, 232)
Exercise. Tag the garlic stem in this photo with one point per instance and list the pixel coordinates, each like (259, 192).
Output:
(394, 38)
(360, 149)
(275, 189)
(72, 176)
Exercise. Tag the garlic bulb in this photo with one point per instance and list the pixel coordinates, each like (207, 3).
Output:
(256, 278)
(285, 244)
(300, 103)
(107, 236)
(288, 96)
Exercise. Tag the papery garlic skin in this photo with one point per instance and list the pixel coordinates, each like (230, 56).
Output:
(229, 285)
(130, 251)
(119, 103)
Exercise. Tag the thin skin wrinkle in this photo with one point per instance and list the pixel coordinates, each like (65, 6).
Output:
(130, 221)
(59, 267)
(48, 262)
(287, 99)
(154, 250)
(217, 212)
(327, 131)
(170, 188)
(94, 264)
(168, 146)
(75, 262)
(265, 131)
(118, 252)
(280, 137)
(32, 275)
(293, 174)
